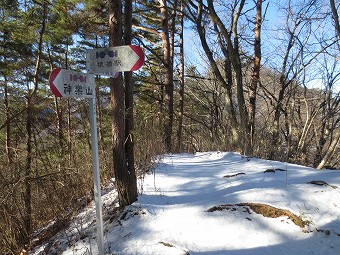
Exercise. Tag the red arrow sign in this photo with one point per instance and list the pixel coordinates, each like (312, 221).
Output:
(140, 54)
(109, 61)
(53, 75)
(67, 83)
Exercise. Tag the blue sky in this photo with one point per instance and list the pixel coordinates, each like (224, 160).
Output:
(271, 39)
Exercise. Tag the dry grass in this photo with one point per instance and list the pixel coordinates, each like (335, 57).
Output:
(265, 210)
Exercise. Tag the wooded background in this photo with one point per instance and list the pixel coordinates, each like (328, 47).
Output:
(246, 84)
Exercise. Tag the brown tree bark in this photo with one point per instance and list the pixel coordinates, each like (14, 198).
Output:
(168, 76)
(122, 175)
(129, 120)
(181, 81)
(9, 150)
(335, 17)
(256, 70)
(8, 142)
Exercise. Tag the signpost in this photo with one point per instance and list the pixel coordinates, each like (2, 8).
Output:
(108, 61)
(96, 175)
(67, 83)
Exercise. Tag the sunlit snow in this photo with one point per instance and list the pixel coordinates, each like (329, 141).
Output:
(171, 217)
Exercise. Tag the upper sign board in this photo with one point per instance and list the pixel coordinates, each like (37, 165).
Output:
(67, 83)
(109, 61)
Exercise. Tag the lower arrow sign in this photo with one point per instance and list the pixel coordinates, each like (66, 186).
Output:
(67, 83)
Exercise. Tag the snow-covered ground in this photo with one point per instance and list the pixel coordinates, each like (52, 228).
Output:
(171, 216)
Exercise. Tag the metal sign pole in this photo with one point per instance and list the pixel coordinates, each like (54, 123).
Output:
(96, 174)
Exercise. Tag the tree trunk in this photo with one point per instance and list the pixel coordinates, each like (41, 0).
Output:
(229, 101)
(69, 131)
(28, 169)
(168, 76)
(30, 103)
(9, 150)
(8, 142)
(330, 150)
(181, 82)
(335, 17)
(59, 111)
(129, 120)
(234, 50)
(122, 176)
(256, 71)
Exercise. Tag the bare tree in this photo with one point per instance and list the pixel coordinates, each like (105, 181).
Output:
(330, 151)
(198, 17)
(297, 56)
(326, 125)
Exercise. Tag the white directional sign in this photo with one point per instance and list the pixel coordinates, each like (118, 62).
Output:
(109, 61)
(67, 83)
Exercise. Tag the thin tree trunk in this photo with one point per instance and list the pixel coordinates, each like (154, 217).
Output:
(29, 111)
(28, 169)
(330, 151)
(168, 76)
(129, 120)
(181, 82)
(8, 124)
(301, 147)
(256, 71)
(173, 32)
(229, 100)
(335, 17)
(69, 131)
(8, 142)
(60, 123)
(69, 127)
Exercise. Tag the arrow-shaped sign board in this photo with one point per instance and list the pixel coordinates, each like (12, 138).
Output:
(67, 83)
(108, 61)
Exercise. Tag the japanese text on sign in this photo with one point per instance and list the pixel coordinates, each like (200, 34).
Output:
(67, 83)
(77, 86)
(109, 61)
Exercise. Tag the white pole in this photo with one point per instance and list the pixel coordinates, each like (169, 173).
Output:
(96, 174)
